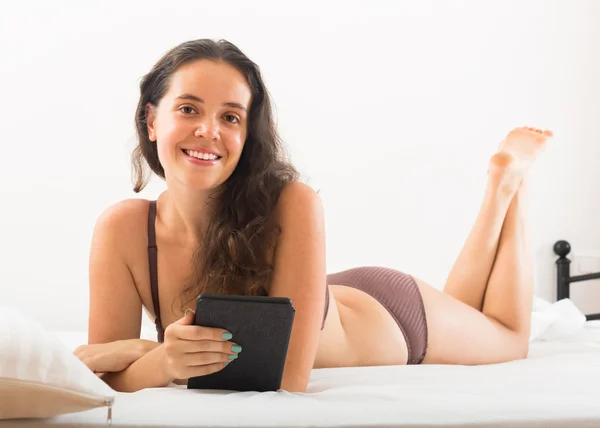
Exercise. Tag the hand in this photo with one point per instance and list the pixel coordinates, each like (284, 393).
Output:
(191, 350)
(113, 356)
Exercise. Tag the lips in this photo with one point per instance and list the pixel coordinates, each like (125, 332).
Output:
(201, 162)
(202, 155)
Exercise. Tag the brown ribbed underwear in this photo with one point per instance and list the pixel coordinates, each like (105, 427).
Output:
(396, 291)
(400, 295)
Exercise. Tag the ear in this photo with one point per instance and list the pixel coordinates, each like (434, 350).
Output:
(150, 119)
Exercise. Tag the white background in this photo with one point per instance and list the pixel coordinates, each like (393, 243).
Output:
(390, 109)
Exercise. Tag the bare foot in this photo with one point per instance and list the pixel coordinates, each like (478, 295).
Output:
(525, 144)
(509, 166)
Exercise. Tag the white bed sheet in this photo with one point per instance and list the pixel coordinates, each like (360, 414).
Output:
(558, 385)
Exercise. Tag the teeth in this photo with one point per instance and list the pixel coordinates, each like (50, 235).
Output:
(199, 155)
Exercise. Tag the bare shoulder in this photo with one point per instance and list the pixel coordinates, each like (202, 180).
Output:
(123, 214)
(123, 226)
(124, 217)
(299, 215)
(298, 201)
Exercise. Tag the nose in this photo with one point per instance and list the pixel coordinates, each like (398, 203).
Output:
(207, 129)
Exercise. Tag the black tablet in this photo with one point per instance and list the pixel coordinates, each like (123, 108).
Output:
(261, 325)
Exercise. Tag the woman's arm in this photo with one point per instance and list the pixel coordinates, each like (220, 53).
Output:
(144, 373)
(299, 273)
(113, 356)
(115, 305)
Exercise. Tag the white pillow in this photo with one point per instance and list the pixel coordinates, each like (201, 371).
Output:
(555, 321)
(40, 376)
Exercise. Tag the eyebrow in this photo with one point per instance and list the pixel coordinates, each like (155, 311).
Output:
(200, 100)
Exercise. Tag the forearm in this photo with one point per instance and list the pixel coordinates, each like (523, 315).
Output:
(146, 372)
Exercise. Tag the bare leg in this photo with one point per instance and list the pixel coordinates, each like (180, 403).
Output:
(469, 276)
(460, 334)
(509, 294)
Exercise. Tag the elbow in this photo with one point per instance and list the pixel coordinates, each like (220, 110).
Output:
(294, 388)
(121, 382)
(113, 380)
(299, 384)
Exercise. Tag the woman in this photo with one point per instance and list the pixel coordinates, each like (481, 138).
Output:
(234, 219)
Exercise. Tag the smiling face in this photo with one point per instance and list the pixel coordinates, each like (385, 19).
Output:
(200, 125)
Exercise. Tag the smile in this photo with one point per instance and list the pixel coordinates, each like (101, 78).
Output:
(201, 156)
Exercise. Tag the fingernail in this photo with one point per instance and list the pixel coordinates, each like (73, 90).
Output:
(186, 311)
(232, 356)
(226, 335)
(236, 348)
(227, 362)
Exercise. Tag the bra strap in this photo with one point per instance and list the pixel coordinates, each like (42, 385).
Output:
(153, 262)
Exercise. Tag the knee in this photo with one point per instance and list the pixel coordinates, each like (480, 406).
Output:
(520, 346)
(515, 341)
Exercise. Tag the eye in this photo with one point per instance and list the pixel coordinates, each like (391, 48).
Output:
(234, 117)
(185, 109)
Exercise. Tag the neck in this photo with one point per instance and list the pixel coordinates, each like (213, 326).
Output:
(185, 212)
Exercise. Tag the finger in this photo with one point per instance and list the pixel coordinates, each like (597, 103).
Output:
(185, 329)
(205, 358)
(192, 346)
(204, 370)
(188, 318)
(196, 332)
(81, 351)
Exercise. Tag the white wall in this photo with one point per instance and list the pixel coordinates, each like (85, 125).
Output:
(391, 109)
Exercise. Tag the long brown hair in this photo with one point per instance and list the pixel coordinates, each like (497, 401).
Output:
(233, 258)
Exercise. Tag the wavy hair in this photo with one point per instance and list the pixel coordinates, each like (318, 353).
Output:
(240, 233)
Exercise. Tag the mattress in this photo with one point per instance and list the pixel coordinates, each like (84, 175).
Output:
(558, 385)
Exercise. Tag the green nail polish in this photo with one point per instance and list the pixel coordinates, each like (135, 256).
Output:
(226, 336)
(232, 356)
(236, 348)
(186, 311)
(227, 362)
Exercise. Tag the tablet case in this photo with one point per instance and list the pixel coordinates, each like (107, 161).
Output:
(261, 325)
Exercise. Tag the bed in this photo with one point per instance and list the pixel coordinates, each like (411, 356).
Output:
(558, 385)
